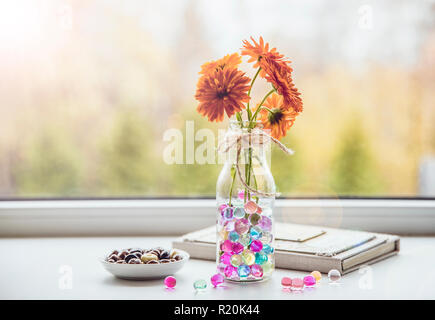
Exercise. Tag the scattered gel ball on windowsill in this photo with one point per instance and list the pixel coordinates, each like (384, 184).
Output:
(297, 284)
(334, 276)
(217, 280)
(170, 282)
(286, 282)
(309, 281)
(317, 275)
(200, 285)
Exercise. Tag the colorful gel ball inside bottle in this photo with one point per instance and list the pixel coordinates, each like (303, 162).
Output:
(244, 271)
(231, 272)
(256, 270)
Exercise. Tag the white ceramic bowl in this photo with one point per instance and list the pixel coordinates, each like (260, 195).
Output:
(145, 271)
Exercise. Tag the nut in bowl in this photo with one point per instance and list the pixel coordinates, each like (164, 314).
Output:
(144, 264)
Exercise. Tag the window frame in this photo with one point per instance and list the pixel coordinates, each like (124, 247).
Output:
(146, 217)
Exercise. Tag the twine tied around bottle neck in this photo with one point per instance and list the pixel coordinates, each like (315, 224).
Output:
(256, 137)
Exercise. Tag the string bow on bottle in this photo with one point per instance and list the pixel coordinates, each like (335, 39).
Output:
(254, 138)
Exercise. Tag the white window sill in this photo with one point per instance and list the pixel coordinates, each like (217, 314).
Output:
(175, 216)
(43, 276)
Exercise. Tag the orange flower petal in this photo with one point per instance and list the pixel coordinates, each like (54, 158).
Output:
(229, 61)
(275, 68)
(222, 91)
(281, 120)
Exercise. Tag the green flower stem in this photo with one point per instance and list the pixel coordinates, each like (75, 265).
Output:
(254, 117)
(251, 120)
(239, 118)
(266, 108)
(249, 93)
(253, 80)
(233, 169)
(233, 174)
(248, 167)
(247, 193)
(256, 186)
(248, 179)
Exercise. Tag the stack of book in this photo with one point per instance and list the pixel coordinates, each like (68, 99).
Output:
(307, 248)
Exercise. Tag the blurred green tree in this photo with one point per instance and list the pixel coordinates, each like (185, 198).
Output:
(48, 166)
(196, 179)
(127, 162)
(353, 170)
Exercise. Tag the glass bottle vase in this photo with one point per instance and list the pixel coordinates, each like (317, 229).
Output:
(245, 195)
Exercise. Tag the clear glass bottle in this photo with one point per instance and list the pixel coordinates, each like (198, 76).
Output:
(245, 229)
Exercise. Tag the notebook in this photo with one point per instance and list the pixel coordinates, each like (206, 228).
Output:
(307, 248)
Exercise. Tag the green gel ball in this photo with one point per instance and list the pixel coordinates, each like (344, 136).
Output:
(200, 284)
(268, 267)
(239, 213)
(245, 239)
(260, 258)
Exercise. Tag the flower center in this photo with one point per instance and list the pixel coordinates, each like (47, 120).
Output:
(276, 116)
(222, 93)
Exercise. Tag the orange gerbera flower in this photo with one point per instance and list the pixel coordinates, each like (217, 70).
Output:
(279, 75)
(222, 91)
(229, 61)
(257, 51)
(279, 119)
(275, 68)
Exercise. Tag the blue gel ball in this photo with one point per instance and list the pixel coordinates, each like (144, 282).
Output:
(244, 271)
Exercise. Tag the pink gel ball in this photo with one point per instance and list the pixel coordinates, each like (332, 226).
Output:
(256, 246)
(286, 282)
(227, 246)
(226, 259)
(222, 207)
(257, 271)
(297, 284)
(242, 226)
(217, 280)
(309, 281)
(237, 247)
(250, 207)
(170, 282)
(230, 272)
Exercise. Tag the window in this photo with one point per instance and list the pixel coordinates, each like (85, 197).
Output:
(88, 90)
